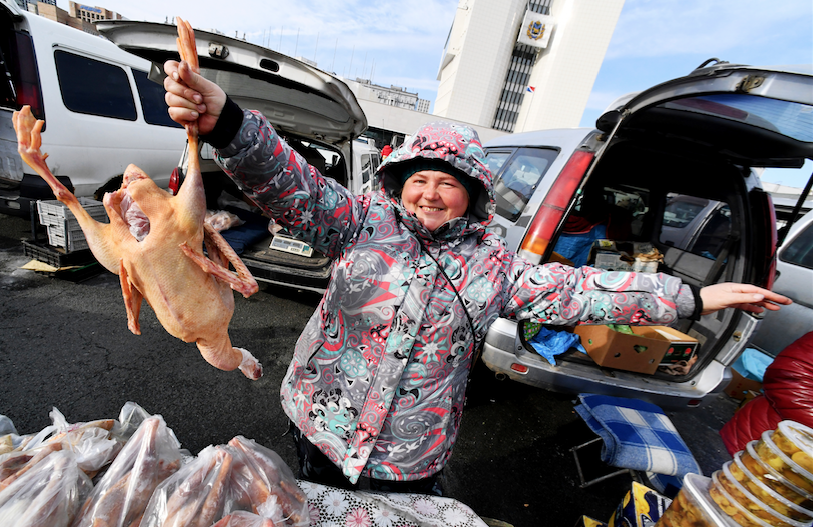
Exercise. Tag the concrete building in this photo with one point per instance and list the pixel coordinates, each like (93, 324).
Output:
(517, 65)
(31, 5)
(79, 17)
(392, 96)
(91, 13)
(393, 113)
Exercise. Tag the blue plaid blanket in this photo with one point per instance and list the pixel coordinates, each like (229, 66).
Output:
(637, 435)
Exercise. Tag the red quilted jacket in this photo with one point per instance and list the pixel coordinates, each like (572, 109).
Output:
(788, 395)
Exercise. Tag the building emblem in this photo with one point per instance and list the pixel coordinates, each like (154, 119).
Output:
(536, 30)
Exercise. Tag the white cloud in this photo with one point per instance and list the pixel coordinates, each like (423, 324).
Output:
(600, 100)
(384, 40)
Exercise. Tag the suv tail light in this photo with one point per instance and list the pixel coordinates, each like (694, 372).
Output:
(550, 213)
(765, 248)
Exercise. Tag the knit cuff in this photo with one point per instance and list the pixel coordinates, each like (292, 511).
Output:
(689, 303)
(227, 126)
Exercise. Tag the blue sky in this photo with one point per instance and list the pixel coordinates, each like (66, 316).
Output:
(657, 40)
(400, 43)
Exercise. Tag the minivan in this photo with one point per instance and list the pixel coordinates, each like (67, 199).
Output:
(313, 110)
(674, 168)
(101, 110)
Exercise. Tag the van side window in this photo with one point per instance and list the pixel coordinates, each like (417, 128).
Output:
(518, 180)
(366, 167)
(679, 214)
(93, 87)
(496, 160)
(800, 250)
(153, 104)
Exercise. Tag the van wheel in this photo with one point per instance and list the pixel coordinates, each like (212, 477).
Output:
(111, 186)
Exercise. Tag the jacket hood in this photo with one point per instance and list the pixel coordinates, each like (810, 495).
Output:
(458, 147)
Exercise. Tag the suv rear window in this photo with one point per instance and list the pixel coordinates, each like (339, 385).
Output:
(792, 119)
(93, 87)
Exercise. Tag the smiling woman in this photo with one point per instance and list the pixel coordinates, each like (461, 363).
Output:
(377, 383)
(435, 197)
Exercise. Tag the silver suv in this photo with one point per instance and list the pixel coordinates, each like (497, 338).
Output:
(693, 141)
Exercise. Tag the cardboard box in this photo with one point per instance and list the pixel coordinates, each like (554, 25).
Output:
(682, 346)
(642, 351)
(641, 507)
(739, 386)
(586, 521)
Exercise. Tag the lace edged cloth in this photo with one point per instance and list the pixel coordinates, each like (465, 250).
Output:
(331, 506)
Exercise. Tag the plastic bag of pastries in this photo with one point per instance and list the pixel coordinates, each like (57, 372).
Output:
(48, 495)
(120, 497)
(224, 479)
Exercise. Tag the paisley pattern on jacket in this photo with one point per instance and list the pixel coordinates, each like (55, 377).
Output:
(378, 377)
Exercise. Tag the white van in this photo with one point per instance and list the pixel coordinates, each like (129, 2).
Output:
(314, 111)
(366, 159)
(100, 109)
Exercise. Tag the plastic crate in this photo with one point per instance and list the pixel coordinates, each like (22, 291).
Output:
(54, 212)
(55, 258)
(63, 228)
(70, 241)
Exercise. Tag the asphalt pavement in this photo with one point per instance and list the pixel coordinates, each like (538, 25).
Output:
(64, 343)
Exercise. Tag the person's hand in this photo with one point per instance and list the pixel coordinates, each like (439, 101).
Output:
(191, 97)
(740, 296)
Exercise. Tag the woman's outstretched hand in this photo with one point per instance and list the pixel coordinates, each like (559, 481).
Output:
(740, 296)
(191, 96)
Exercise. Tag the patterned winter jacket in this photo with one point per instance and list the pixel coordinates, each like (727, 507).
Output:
(378, 377)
